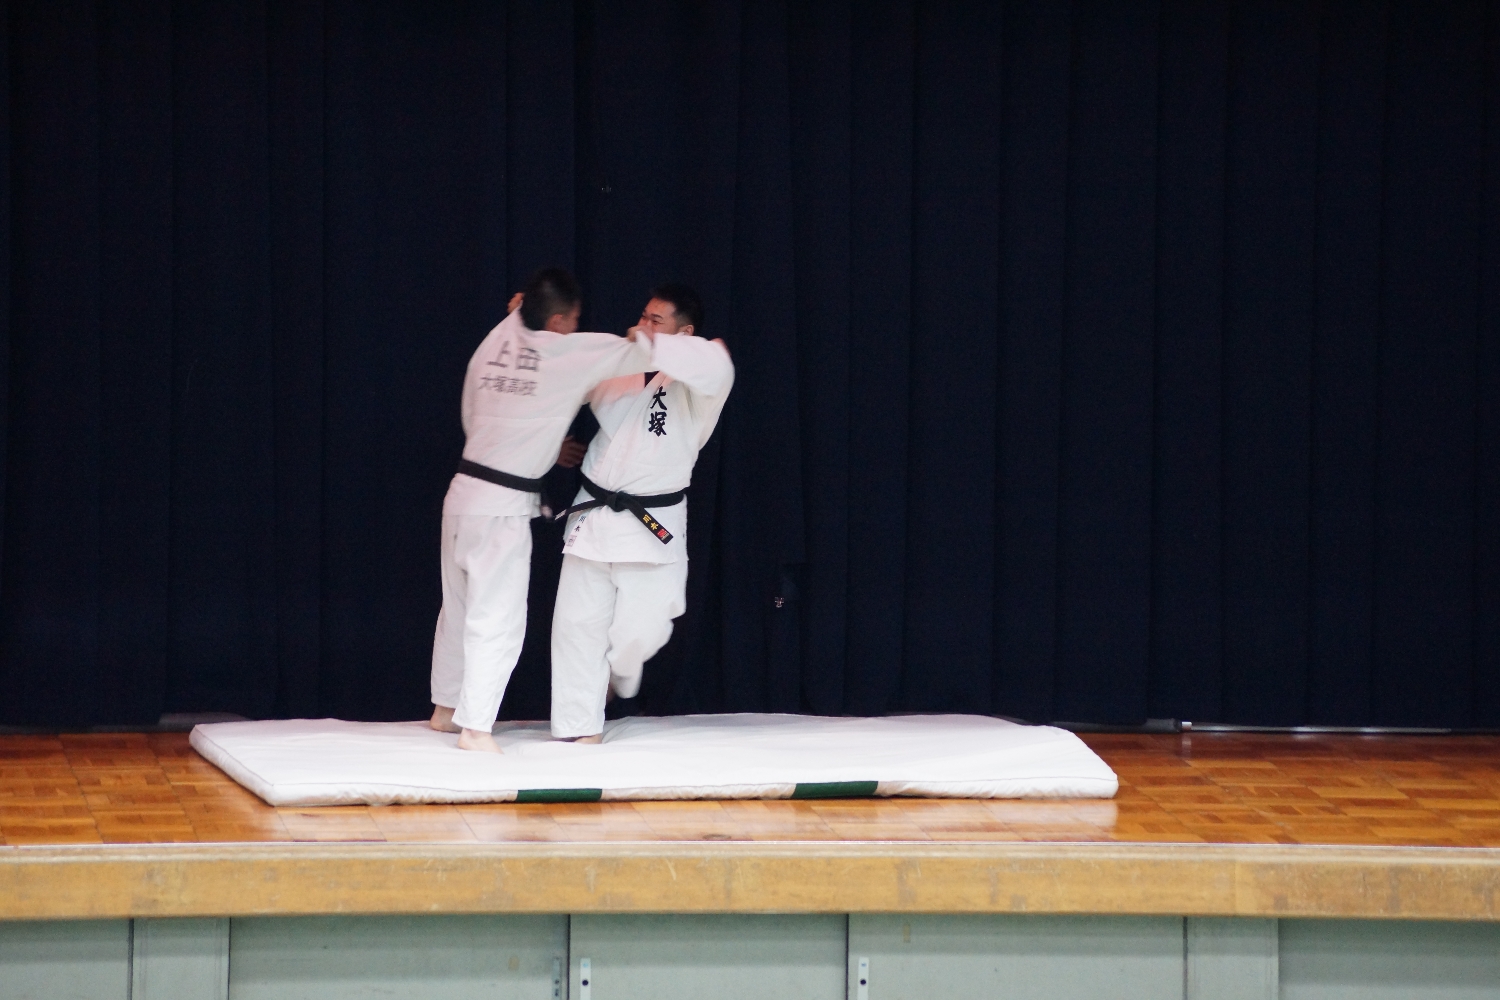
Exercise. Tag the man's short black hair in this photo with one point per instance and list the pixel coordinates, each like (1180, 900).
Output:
(549, 292)
(685, 303)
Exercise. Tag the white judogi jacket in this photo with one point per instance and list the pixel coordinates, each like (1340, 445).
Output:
(649, 438)
(522, 391)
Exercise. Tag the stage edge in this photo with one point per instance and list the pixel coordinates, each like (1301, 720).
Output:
(1407, 883)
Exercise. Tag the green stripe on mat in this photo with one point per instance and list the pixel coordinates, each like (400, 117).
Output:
(834, 789)
(559, 795)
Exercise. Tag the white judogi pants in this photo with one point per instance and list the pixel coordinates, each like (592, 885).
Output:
(486, 565)
(611, 617)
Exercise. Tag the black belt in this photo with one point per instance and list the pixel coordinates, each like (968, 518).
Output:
(626, 501)
(489, 475)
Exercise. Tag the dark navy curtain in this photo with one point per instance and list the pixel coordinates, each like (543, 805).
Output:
(1097, 360)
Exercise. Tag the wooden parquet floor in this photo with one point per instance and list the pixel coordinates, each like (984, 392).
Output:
(1260, 789)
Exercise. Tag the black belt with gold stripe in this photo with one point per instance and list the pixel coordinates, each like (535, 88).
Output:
(637, 505)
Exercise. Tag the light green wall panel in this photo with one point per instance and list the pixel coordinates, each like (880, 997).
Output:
(65, 960)
(355, 958)
(1389, 960)
(664, 957)
(180, 960)
(1232, 958)
(1017, 957)
(726, 957)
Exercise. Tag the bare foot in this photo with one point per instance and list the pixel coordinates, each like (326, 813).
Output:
(473, 739)
(442, 720)
(596, 738)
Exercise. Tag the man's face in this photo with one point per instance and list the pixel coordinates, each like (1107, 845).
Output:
(661, 317)
(565, 322)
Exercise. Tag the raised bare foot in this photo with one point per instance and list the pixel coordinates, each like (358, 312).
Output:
(473, 739)
(442, 720)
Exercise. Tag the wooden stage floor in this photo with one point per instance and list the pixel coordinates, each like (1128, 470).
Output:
(1429, 791)
(1382, 807)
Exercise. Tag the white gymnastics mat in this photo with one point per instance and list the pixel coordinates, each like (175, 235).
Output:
(316, 762)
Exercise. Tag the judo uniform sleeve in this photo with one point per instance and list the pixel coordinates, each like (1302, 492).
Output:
(704, 367)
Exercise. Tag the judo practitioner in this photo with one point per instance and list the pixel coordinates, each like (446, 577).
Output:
(624, 572)
(523, 388)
